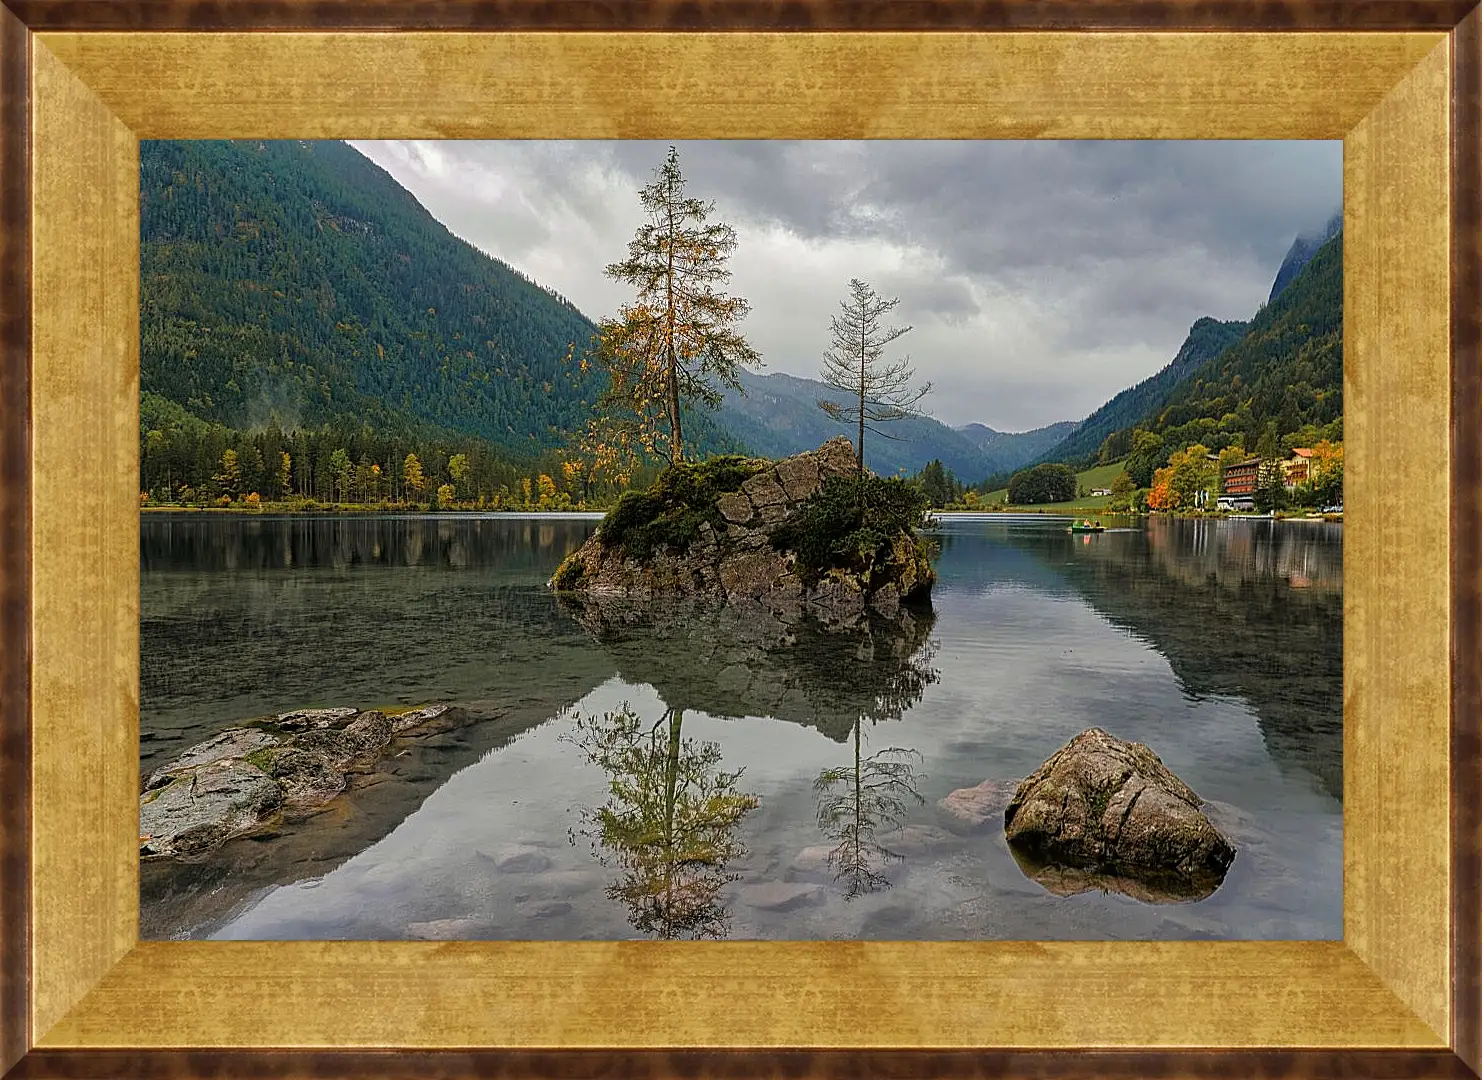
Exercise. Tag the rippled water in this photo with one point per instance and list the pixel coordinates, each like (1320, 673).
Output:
(1216, 643)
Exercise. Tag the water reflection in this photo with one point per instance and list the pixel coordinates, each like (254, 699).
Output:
(856, 803)
(669, 824)
(740, 660)
(1235, 680)
(1251, 609)
(1062, 880)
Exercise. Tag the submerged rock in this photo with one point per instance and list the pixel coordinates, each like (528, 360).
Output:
(1109, 806)
(781, 895)
(237, 781)
(973, 809)
(735, 529)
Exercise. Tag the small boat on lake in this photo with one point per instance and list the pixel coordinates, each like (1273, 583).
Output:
(1085, 527)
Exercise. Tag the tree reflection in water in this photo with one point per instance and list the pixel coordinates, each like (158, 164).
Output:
(857, 802)
(668, 824)
(854, 803)
(740, 661)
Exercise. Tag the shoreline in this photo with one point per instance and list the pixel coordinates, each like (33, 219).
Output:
(286, 510)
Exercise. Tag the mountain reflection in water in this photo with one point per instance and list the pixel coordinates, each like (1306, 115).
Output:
(1216, 643)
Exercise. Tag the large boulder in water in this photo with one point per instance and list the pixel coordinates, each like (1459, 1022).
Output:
(1104, 804)
(803, 536)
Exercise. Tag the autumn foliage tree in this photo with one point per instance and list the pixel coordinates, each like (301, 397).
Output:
(285, 475)
(1162, 494)
(1190, 472)
(230, 476)
(1328, 471)
(672, 346)
(412, 474)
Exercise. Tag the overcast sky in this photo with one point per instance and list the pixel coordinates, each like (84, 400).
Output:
(1040, 278)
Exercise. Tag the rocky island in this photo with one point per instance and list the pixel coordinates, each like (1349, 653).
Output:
(807, 535)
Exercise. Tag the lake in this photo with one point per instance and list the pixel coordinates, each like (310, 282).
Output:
(1216, 643)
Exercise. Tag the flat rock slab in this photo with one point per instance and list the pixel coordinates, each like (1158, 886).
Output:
(199, 811)
(781, 895)
(232, 743)
(214, 790)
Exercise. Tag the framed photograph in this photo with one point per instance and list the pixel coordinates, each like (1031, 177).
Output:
(94, 981)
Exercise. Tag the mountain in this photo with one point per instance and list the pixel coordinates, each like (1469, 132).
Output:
(295, 283)
(1011, 449)
(779, 415)
(1207, 339)
(1287, 370)
(1302, 251)
(298, 282)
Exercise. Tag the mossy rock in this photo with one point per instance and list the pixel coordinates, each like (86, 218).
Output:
(671, 512)
(854, 525)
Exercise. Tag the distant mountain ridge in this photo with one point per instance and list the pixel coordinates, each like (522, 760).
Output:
(778, 415)
(1286, 371)
(1027, 445)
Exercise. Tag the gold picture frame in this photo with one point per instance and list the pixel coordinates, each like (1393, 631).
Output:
(83, 83)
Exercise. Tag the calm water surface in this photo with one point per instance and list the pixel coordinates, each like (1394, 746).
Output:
(1216, 643)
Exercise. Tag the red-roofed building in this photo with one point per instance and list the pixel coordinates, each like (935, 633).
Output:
(1298, 468)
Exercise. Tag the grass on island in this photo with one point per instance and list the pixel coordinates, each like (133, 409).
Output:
(1101, 476)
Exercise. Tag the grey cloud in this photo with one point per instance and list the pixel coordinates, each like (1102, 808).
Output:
(1042, 277)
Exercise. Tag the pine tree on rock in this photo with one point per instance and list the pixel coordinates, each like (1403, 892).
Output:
(855, 364)
(666, 350)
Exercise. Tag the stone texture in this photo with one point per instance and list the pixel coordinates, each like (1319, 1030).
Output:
(735, 508)
(232, 743)
(198, 811)
(798, 477)
(764, 490)
(307, 777)
(235, 781)
(367, 734)
(305, 719)
(1103, 804)
(417, 717)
